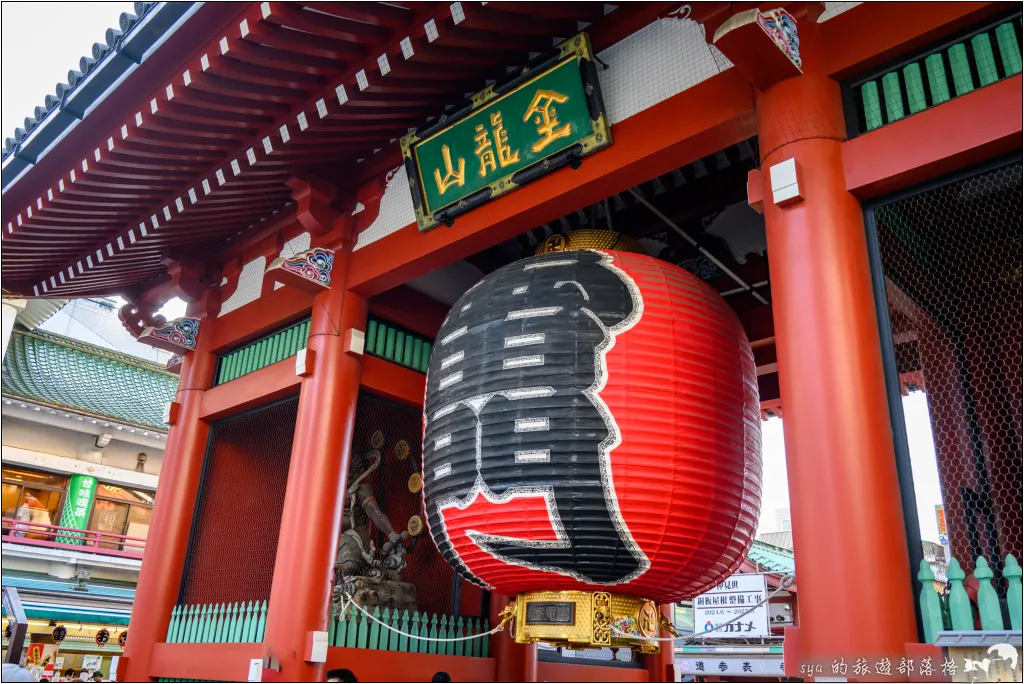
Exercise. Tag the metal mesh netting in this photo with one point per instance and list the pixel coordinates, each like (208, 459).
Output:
(384, 491)
(238, 517)
(952, 256)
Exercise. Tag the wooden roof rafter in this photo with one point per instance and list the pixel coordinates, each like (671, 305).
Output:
(156, 168)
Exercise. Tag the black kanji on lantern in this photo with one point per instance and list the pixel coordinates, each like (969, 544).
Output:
(512, 410)
(102, 637)
(60, 633)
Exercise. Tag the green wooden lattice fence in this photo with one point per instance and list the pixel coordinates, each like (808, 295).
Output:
(975, 61)
(954, 611)
(403, 347)
(246, 622)
(352, 629)
(264, 352)
(218, 623)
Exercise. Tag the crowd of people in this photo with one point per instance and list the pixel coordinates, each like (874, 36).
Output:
(16, 673)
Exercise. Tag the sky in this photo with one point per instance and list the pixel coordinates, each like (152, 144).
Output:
(775, 488)
(42, 41)
(67, 30)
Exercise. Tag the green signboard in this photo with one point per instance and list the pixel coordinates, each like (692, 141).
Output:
(77, 507)
(547, 115)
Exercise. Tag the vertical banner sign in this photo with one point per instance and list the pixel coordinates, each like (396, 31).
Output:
(546, 115)
(940, 522)
(727, 602)
(77, 507)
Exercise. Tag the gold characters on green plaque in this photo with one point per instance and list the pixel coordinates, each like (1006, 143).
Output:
(492, 147)
(451, 176)
(485, 150)
(543, 106)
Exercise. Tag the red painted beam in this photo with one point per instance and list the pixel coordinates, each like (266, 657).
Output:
(874, 33)
(204, 662)
(566, 672)
(969, 129)
(697, 122)
(274, 309)
(408, 308)
(259, 387)
(395, 666)
(392, 381)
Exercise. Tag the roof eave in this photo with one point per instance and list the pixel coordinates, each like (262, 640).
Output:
(142, 40)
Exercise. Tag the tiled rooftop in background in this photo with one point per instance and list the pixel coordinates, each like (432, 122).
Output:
(66, 374)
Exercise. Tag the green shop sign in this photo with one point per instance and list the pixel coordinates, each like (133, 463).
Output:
(547, 115)
(77, 507)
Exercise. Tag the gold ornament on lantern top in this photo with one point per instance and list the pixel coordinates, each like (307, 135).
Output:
(589, 238)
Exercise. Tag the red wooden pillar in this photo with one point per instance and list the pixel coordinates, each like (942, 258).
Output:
(661, 665)
(849, 540)
(170, 528)
(311, 522)
(514, 662)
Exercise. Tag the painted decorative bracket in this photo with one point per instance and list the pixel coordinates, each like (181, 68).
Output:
(764, 45)
(309, 271)
(177, 336)
(174, 364)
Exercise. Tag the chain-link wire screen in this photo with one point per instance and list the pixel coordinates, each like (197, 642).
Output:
(951, 256)
(384, 503)
(241, 499)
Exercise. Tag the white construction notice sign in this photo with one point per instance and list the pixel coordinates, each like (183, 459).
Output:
(727, 602)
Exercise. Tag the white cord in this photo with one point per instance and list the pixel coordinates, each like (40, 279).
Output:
(348, 601)
(787, 581)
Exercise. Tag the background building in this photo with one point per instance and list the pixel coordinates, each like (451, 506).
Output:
(83, 439)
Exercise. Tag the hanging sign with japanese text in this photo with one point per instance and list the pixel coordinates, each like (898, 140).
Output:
(728, 603)
(547, 115)
(751, 665)
(77, 507)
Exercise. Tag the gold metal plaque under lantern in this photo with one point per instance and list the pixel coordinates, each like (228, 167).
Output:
(590, 238)
(586, 619)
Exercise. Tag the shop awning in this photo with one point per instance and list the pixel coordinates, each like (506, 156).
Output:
(67, 613)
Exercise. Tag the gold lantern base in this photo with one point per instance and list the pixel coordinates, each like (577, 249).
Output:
(586, 619)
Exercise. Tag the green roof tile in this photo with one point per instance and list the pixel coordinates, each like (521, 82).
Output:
(771, 558)
(64, 373)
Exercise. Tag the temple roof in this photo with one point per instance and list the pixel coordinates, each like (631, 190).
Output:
(274, 91)
(101, 57)
(63, 373)
(783, 540)
(771, 558)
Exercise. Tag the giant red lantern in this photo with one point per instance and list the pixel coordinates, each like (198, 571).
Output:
(592, 423)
